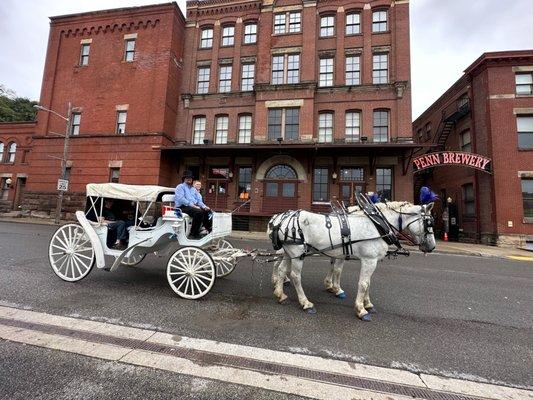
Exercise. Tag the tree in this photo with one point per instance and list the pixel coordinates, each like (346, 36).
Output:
(13, 108)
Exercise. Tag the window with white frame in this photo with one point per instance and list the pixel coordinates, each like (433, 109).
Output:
(524, 124)
(380, 69)
(206, 40)
(121, 122)
(524, 83)
(1, 152)
(250, 33)
(295, 22)
(75, 124)
(285, 69)
(204, 74)
(325, 127)
(228, 35)
(353, 70)
(327, 26)
(353, 126)
(353, 23)
(11, 152)
(321, 184)
(326, 72)
(84, 53)
(129, 49)
(283, 123)
(279, 23)
(224, 80)
(381, 125)
(384, 183)
(198, 130)
(221, 136)
(245, 128)
(466, 141)
(247, 77)
(379, 21)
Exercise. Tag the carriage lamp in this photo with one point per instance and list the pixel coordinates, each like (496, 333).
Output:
(9, 181)
(230, 174)
(334, 175)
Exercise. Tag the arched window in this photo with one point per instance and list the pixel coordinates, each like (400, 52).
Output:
(11, 151)
(1, 152)
(281, 172)
(206, 39)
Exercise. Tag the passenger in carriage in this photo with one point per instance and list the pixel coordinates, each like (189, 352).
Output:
(189, 200)
(116, 224)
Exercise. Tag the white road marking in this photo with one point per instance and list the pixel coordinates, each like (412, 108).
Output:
(282, 383)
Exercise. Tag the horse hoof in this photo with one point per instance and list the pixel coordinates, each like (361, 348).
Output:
(341, 295)
(287, 283)
(366, 318)
(311, 311)
(372, 310)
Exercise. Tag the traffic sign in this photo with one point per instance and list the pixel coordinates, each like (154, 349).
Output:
(62, 185)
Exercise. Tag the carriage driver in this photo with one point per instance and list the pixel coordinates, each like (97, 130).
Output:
(186, 198)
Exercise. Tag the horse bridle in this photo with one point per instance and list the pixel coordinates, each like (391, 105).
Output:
(427, 221)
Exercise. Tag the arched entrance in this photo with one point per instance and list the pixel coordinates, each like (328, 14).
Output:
(280, 190)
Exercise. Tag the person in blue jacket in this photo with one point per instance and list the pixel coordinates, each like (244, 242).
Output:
(186, 198)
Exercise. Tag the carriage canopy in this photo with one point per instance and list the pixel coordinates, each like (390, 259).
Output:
(128, 192)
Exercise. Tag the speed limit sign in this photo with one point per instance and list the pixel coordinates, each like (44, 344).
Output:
(62, 185)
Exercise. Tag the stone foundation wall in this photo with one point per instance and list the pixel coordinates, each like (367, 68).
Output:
(43, 204)
(512, 240)
(5, 205)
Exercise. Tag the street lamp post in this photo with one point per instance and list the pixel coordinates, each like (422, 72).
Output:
(65, 155)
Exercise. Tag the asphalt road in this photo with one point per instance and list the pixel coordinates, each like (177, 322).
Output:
(461, 316)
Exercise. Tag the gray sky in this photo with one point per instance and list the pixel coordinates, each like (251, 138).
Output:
(446, 37)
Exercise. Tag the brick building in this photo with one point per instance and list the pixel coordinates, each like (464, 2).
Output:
(286, 104)
(488, 111)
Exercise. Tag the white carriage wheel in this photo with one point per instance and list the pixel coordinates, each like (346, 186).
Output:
(131, 261)
(191, 272)
(224, 267)
(71, 253)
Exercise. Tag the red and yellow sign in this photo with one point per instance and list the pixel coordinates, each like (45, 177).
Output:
(442, 158)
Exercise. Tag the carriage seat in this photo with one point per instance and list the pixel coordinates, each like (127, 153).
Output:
(169, 199)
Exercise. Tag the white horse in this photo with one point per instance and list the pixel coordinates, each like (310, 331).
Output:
(368, 246)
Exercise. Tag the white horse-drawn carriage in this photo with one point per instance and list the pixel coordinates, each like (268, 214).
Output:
(157, 227)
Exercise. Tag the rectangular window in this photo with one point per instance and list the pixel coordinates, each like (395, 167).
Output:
(325, 127)
(279, 24)
(524, 124)
(271, 189)
(419, 133)
(326, 72)
(381, 126)
(4, 189)
(327, 26)
(245, 183)
(250, 33)
(247, 77)
(204, 74)
(380, 69)
(469, 200)
(206, 41)
(352, 175)
(222, 130)
(321, 184)
(228, 36)
(283, 123)
(129, 53)
(84, 54)
(527, 197)
(76, 121)
(114, 175)
(353, 70)
(353, 24)
(224, 83)
(524, 83)
(428, 130)
(245, 129)
(199, 130)
(288, 189)
(466, 143)
(384, 182)
(295, 22)
(286, 69)
(121, 122)
(353, 126)
(379, 21)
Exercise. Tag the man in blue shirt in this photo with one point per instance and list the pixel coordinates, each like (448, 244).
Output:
(186, 199)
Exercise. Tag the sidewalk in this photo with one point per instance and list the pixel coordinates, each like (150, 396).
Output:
(470, 249)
